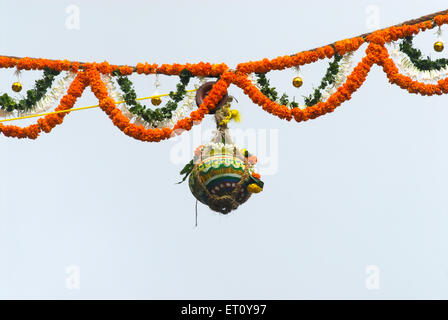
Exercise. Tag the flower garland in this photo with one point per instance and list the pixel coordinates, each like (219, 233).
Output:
(47, 123)
(327, 81)
(343, 93)
(408, 68)
(153, 117)
(415, 56)
(376, 53)
(181, 112)
(32, 96)
(107, 104)
(409, 60)
(334, 76)
(48, 101)
(345, 68)
(270, 92)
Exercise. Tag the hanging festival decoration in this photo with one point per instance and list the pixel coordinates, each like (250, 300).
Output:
(156, 100)
(297, 82)
(9, 104)
(439, 45)
(222, 175)
(16, 87)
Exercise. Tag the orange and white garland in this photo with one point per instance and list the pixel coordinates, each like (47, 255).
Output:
(95, 75)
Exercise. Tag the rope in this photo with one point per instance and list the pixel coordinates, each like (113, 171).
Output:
(196, 216)
(225, 203)
(81, 108)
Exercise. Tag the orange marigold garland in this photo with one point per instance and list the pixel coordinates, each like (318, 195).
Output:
(343, 93)
(376, 53)
(38, 64)
(139, 132)
(405, 82)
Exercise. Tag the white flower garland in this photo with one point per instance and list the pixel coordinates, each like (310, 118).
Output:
(345, 68)
(409, 69)
(405, 64)
(48, 101)
(181, 112)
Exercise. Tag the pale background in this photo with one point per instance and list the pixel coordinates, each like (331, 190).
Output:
(365, 185)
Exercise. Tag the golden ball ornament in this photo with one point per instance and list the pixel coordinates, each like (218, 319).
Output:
(438, 46)
(16, 87)
(156, 101)
(297, 82)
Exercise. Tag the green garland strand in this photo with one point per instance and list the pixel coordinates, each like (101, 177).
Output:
(149, 115)
(271, 93)
(415, 56)
(41, 86)
(327, 80)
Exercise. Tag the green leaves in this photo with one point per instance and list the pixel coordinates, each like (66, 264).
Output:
(328, 79)
(415, 55)
(268, 91)
(32, 96)
(185, 76)
(147, 114)
(272, 93)
(186, 171)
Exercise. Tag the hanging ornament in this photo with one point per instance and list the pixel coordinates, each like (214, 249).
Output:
(156, 100)
(221, 175)
(16, 87)
(297, 82)
(438, 46)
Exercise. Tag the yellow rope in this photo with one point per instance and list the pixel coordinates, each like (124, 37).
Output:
(82, 108)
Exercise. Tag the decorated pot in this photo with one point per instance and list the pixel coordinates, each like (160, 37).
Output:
(220, 175)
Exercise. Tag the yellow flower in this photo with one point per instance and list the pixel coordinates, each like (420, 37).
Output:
(235, 115)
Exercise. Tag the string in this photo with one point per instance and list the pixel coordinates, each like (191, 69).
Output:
(196, 216)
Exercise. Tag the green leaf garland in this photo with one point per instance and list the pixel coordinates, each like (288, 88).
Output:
(415, 56)
(271, 92)
(41, 86)
(149, 115)
(328, 79)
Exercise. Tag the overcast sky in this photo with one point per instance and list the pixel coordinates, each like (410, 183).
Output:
(88, 212)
